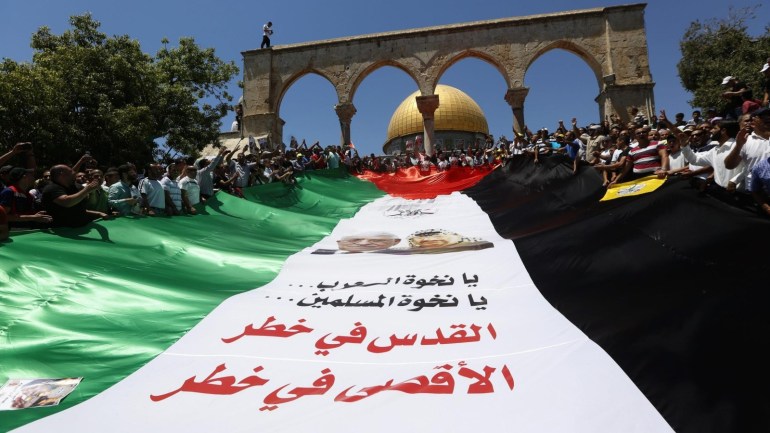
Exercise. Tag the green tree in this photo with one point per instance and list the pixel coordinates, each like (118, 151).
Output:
(84, 91)
(717, 48)
(186, 75)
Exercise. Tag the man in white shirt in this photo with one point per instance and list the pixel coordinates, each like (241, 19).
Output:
(724, 133)
(191, 191)
(454, 161)
(172, 191)
(153, 196)
(332, 159)
(677, 163)
(443, 164)
(267, 31)
(752, 144)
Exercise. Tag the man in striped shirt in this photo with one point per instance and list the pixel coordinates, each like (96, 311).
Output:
(649, 157)
(171, 190)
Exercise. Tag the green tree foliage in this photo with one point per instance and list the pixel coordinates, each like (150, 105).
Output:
(717, 48)
(85, 91)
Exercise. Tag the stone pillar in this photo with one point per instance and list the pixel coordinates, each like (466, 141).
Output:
(515, 98)
(345, 113)
(427, 106)
(260, 92)
(264, 123)
(619, 99)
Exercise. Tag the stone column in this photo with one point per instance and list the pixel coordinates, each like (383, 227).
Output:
(264, 123)
(260, 116)
(619, 99)
(515, 98)
(427, 106)
(345, 113)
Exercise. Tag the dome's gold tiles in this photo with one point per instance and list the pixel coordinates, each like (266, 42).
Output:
(456, 112)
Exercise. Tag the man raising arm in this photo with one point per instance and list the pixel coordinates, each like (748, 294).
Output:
(752, 144)
(64, 201)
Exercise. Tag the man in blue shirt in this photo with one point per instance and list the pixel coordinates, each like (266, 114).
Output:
(760, 185)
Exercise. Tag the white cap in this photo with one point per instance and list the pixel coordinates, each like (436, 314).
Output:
(727, 79)
(765, 67)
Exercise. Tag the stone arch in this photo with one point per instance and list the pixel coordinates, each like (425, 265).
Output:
(586, 55)
(368, 70)
(471, 53)
(286, 85)
(611, 40)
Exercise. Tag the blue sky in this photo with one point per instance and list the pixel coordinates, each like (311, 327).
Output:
(561, 85)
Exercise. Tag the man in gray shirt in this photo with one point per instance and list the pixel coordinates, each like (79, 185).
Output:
(205, 176)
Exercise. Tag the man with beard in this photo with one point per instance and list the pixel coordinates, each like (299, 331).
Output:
(123, 195)
(64, 201)
(698, 141)
(724, 133)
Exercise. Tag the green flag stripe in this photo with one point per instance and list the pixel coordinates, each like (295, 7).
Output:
(102, 303)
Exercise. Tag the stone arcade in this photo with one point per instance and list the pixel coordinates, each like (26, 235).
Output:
(611, 40)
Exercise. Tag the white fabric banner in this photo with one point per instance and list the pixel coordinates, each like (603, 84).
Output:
(412, 316)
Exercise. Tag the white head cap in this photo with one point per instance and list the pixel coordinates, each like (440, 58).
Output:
(727, 79)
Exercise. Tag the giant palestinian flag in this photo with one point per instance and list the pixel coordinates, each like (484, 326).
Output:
(522, 303)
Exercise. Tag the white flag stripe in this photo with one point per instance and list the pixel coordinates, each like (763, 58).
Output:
(437, 327)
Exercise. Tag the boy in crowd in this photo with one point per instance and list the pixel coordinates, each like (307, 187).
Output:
(18, 203)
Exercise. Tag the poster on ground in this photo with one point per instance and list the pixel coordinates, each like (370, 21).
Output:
(30, 393)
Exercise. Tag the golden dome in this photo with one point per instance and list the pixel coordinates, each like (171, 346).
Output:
(456, 112)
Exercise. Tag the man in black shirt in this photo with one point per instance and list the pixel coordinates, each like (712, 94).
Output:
(733, 93)
(64, 201)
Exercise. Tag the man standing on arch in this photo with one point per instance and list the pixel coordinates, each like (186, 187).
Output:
(267, 30)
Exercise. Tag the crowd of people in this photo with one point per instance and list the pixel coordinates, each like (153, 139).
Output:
(727, 157)
(727, 154)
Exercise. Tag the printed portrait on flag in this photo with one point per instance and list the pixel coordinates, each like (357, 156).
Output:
(429, 241)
